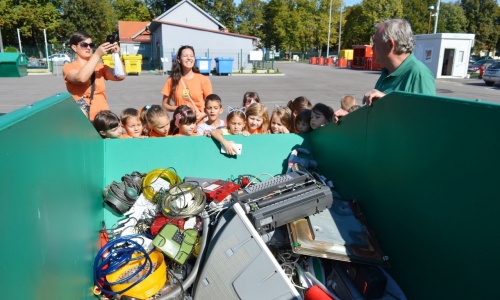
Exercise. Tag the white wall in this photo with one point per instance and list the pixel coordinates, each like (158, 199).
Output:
(431, 49)
(206, 44)
(186, 14)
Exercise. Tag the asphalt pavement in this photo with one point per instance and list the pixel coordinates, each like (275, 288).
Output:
(318, 83)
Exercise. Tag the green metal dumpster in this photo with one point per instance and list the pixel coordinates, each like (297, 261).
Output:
(13, 64)
(427, 187)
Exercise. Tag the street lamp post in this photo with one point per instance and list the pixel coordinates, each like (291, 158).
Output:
(329, 25)
(340, 29)
(436, 16)
(430, 8)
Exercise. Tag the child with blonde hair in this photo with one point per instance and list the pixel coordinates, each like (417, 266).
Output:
(303, 121)
(156, 120)
(107, 124)
(250, 98)
(345, 105)
(257, 121)
(281, 120)
(353, 108)
(183, 121)
(132, 123)
(296, 106)
(213, 110)
(235, 121)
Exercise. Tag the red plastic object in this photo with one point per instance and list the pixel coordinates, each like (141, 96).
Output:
(220, 189)
(481, 71)
(316, 293)
(161, 220)
(321, 61)
(342, 62)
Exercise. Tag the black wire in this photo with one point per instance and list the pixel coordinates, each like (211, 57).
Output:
(183, 292)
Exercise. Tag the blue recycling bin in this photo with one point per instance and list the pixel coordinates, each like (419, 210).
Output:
(224, 65)
(204, 64)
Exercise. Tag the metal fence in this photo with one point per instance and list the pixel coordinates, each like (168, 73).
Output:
(162, 59)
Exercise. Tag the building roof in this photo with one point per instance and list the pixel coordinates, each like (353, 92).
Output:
(222, 27)
(156, 23)
(131, 32)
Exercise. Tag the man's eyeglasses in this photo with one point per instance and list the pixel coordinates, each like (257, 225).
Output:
(85, 45)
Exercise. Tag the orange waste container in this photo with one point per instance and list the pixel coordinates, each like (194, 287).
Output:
(342, 62)
(314, 60)
(310, 60)
(329, 61)
(321, 61)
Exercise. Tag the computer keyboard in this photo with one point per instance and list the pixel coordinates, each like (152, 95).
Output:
(267, 187)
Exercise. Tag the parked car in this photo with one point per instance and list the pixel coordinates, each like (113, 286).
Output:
(474, 68)
(492, 74)
(61, 58)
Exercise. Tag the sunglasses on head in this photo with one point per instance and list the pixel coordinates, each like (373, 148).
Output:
(85, 45)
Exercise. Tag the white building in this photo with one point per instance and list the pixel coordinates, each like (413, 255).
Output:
(445, 54)
(188, 24)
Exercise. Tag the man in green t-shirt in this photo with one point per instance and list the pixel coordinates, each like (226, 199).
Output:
(393, 44)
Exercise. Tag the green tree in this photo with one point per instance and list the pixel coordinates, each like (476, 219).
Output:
(361, 19)
(380, 10)
(358, 30)
(320, 16)
(250, 19)
(131, 10)
(31, 17)
(418, 14)
(275, 16)
(223, 11)
(157, 7)
(452, 18)
(95, 17)
(481, 21)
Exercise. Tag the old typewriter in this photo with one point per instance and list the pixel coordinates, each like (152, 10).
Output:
(283, 199)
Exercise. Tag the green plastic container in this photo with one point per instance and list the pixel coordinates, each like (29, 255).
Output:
(423, 168)
(13, 64)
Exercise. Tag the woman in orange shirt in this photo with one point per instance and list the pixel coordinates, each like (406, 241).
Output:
(186, 86)
(78, 74)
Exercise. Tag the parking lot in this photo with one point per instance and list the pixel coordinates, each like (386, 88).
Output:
(318, 83)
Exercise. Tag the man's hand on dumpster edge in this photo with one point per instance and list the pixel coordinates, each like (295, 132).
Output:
(371, 96)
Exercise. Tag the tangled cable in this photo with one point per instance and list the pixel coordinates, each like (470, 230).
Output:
(115, 255)
(182, 200)
(154, 183)
(120, 196)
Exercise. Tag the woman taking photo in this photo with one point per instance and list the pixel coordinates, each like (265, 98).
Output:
(84, 77)
(186, 86)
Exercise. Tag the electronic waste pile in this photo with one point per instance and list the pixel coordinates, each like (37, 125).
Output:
(290, 236)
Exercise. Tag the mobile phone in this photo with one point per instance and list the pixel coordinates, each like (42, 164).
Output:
(112, 38)
(237, 147)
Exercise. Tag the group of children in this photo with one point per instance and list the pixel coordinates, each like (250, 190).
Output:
(298, 116)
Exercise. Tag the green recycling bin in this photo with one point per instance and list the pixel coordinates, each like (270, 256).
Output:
(13, 64)
(434, 210)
